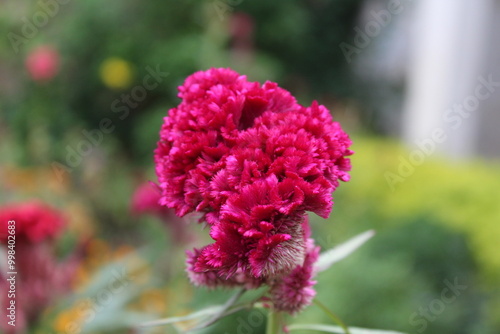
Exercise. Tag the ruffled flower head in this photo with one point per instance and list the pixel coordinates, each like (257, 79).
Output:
(252, 161)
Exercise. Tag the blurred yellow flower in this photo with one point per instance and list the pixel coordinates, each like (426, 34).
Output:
(116, 73)
(98, 254)
(81, 223)
(152, 301)
(69, 320)
(32, 180)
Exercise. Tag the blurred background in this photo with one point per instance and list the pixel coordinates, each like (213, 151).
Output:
(84, 87)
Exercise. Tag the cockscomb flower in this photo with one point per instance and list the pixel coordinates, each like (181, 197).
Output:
(34, 221)
(252, 161)
(41, 276)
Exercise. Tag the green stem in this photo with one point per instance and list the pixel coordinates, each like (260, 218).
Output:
(274, 322)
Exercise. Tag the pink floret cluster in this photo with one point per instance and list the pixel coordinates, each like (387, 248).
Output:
(252, 161)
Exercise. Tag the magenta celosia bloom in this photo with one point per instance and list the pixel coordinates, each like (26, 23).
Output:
(41, 277)
(253, 161)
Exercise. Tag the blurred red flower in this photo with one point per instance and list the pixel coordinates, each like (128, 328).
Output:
(34, 221)
(43, 63)
(40, 277)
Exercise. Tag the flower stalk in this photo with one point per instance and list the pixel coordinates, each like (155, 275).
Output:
(274, 322)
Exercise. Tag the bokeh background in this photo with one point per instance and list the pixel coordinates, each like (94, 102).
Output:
(84, 86)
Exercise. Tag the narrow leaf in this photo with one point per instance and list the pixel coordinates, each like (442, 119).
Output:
(222, 312)
(213, 313)
(328, 258)
(332, 315)
(337, 329)
(206, 312)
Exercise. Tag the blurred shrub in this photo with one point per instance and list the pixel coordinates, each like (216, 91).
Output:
(106, 52)
(463, 196)
(440, 223)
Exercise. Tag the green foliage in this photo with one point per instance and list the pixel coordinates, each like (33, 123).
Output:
(439, 224)
(177, 37)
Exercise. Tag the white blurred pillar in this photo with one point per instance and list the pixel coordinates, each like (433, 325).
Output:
(447, 57)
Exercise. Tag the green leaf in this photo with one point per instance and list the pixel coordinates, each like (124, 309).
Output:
(102, 303)
(332, 315)
(222, 312)
(328, 258)
(207, 316)
(113, 321)
(337, 329)
(206, 312)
